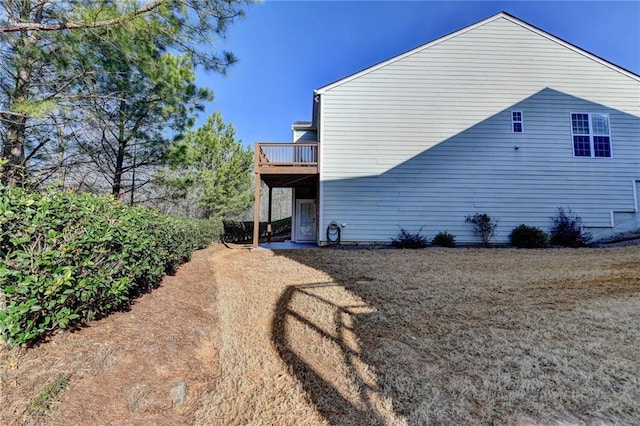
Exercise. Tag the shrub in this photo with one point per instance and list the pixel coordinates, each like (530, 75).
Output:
(407, 240)
(484, 226)
(524, 236)
(567, 230)
(236, 231)
(444, 239)
(70, 257)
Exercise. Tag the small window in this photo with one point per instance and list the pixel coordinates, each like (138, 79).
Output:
(591, 135)
(517, 125)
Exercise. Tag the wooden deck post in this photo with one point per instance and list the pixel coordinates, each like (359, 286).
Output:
(281, 165)
(269, 230)
(256, 212)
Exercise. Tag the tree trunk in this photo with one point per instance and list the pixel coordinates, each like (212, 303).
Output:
(13, 150)
(15, 123)
(122, 147)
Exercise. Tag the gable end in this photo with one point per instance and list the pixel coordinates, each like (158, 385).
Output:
(501, 15)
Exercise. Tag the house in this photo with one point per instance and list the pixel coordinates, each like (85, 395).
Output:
(499, 117)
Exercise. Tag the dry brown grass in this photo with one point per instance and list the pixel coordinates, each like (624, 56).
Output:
(482, 336)
(357, 337)
(433, 336)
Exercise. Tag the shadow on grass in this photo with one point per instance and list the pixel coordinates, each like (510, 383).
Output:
(506, 337)
(346, 392)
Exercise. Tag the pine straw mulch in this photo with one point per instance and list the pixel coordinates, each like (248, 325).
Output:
(121, 369)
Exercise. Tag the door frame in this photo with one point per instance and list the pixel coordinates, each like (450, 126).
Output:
(298, 221)
(636, 200)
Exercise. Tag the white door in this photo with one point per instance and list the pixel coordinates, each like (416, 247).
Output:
(305, 220)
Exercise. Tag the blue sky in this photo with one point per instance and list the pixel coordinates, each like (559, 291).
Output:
(286, 49)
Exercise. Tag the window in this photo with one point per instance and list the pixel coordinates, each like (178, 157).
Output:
(517, 125)
(591, 135)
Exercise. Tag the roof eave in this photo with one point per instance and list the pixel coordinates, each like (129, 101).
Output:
(499, 15)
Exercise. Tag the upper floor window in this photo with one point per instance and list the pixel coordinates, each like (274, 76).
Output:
(591, 135)
(517, 123)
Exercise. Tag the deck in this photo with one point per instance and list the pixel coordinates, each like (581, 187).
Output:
(283, 165)
(286, 158)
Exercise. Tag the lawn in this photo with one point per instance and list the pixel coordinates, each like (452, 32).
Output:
(469, 336)
(352, 337)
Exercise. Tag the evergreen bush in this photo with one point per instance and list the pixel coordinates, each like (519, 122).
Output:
(444, 239)
(524, 236)
(237, 231)
(69, 257)
(408, 240)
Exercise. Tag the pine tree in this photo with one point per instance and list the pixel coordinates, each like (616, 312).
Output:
(46, 49)
(211, 168)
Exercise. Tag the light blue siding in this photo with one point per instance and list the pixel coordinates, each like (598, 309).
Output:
(426, 140)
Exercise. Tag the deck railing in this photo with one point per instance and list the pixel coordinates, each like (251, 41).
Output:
(283, 156)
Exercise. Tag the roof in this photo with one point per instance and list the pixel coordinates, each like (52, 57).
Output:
(302, 125)
(501, 15)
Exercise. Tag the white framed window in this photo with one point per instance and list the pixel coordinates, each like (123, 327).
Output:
(591, 134)
(517, 122)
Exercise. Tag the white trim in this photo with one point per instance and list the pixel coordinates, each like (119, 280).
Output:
(307, 126)
(293, 215)
(298, 202)
(521, 121)
(571, 46)
(591, 135)
(500, 15)
(405, 54)
(320, 137)
(636, 200)
(613, 212)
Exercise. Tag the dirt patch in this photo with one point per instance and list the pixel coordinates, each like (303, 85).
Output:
(129, 368)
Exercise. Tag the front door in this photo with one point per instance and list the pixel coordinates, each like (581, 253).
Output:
(305, 220)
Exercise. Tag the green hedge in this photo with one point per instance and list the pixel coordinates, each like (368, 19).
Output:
(236, 231)
(69, 257)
